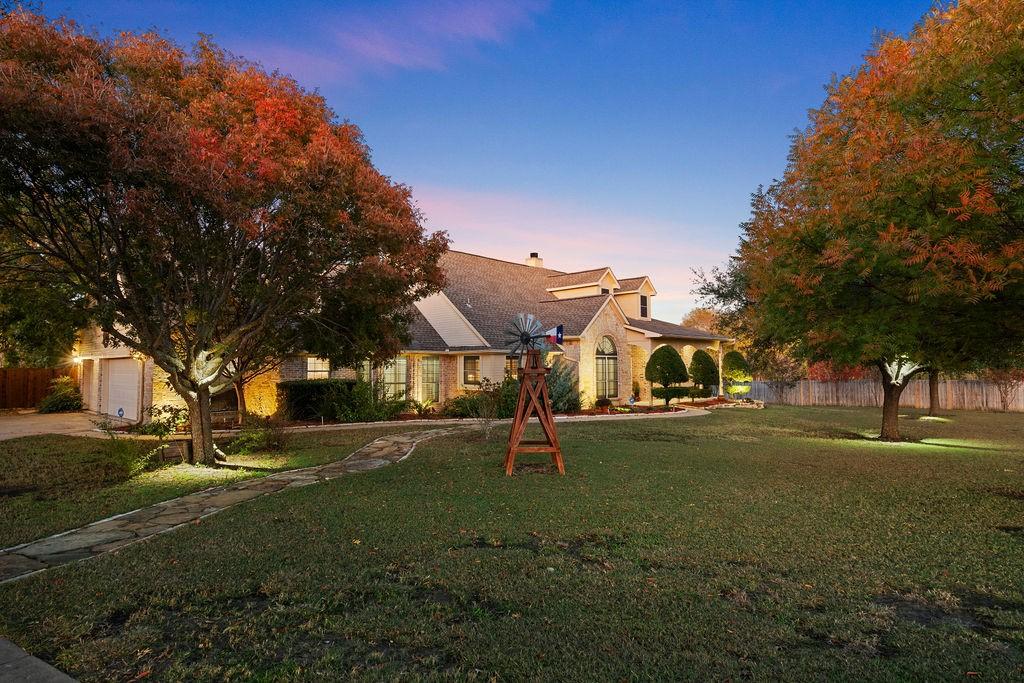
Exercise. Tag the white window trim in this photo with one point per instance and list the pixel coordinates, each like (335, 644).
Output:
(462, 371)
(312, 361)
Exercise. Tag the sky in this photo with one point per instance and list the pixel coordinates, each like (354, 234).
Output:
(603, 133)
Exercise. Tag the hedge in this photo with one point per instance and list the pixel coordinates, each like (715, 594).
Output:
(309, 399)
(670, 392)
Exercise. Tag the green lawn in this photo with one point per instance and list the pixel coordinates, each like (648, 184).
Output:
(53, 483)
(747, 544)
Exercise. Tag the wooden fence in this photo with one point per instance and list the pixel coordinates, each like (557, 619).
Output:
(956, 394)
(24, 387)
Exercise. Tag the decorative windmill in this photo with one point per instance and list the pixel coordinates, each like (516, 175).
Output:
(524, 336)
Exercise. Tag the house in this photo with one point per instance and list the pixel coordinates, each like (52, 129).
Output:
(458, 340)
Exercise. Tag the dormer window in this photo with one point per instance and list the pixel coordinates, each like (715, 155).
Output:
(644, 307)
(605, 290)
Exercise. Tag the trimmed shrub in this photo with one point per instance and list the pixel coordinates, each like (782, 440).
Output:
(669, 393)
(603, 403)
(363, 402)
(310, 399)
(64, 397)
(736, 374)
(703, 369)
(341, 400)
(665, 367)
(700, 392)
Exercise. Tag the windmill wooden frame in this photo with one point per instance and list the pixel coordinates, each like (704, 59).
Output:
(533, 401)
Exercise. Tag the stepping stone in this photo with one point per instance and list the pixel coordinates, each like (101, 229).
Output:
(68, 556)
(18, 665)
(13, 564)
(231, 497)
(365, 464)
(173, 518)
(71, 542)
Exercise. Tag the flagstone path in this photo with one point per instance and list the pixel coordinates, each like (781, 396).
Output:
(119, 531)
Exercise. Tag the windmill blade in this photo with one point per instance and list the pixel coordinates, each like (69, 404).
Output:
(522, 332)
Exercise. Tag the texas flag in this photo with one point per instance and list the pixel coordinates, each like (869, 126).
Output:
(554, 335)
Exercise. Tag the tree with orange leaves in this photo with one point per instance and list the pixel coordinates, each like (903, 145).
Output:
(896, 236)
(199, 203)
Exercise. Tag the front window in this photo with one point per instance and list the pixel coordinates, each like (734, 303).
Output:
(430, 374)
(393, 377)
(511, 366)
(644, 308)
(607, 369)
(318, 368)
(471, 370)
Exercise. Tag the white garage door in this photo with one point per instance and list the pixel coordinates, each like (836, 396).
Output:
(121, 380)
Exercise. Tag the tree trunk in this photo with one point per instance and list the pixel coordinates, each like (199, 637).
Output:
(240, 399)
(1005, 395)
(890, 410)
(203, 451)
(933, 393)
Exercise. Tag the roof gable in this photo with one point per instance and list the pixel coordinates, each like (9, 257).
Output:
(581, 278)
(449, 323)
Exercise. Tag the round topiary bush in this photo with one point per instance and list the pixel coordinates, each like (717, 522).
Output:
(703, 369)
(736, 374)
(665, 367)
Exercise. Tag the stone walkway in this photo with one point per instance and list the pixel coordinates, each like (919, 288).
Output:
(18, 665)
(117, 532)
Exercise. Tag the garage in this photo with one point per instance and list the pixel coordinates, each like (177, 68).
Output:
(122, 384)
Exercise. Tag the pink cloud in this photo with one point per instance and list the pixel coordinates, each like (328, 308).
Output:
(401, 35)
(509, 226)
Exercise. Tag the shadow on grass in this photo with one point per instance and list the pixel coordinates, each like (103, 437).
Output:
(928, 441)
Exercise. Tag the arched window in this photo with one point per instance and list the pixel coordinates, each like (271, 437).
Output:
(607, 362)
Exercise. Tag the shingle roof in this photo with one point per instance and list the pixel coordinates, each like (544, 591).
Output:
(630, 283)
(424, 336)
(667, 329)
(490, 292)
(573, 314)
(582, 277)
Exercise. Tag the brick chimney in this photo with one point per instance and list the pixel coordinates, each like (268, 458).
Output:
(535, 261)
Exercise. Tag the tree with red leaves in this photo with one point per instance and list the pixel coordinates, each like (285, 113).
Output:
(896, 237)
(198, 202)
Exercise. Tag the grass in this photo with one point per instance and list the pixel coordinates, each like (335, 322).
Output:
(53, 483)
(746, 544)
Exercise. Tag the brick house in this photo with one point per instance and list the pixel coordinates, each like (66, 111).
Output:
(458, 340)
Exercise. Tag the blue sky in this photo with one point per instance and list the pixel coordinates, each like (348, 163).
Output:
(628, 134)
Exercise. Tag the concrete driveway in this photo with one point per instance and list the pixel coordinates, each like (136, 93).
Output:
(31, 423)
